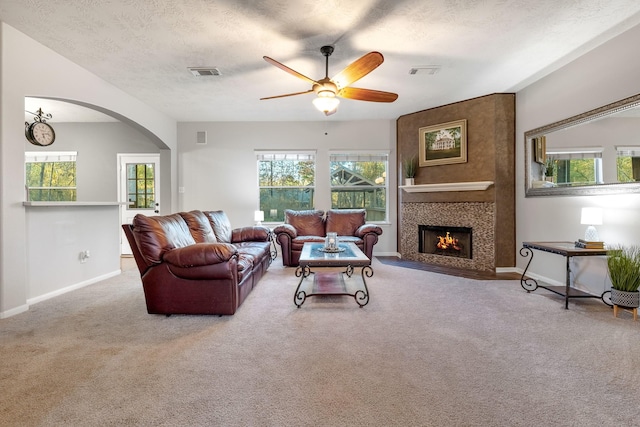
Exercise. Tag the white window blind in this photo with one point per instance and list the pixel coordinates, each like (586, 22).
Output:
(302, 156)
(628, 151)
(50, 156)
(575, 153)
(355, 157)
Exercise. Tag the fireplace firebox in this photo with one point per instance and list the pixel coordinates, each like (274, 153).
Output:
(445, 240)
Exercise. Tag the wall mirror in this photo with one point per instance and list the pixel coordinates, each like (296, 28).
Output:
(594, 153)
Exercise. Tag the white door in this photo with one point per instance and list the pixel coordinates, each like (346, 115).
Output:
(138, 189)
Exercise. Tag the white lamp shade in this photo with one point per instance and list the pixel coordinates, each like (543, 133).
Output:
(326, 104)
(258, 216)
(591, 216)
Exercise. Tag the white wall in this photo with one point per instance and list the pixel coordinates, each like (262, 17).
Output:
(30, 69)
(60, 234)
(98, 145)
(606, 74)
(223, 173)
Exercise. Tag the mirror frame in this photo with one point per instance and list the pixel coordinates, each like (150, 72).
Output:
(583, 190)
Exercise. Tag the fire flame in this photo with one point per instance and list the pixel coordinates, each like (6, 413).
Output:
(447, 242)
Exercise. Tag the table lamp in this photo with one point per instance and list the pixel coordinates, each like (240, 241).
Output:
(258, 217)
(591, 217)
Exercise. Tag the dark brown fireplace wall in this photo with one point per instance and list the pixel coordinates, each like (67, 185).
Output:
(490, 157)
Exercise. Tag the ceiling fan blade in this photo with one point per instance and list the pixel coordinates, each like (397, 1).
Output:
(358, 69)
(288, 70)
(367, 94)
(288, 94)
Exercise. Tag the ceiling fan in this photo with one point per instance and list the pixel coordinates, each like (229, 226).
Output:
(328, 90)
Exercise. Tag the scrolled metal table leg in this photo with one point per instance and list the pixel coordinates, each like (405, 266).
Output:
(300, 296)
(274, 250)
(362, 296)
(527, 283)
(349, 270)
(606, 298)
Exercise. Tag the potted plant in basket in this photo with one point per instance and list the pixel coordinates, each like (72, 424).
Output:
(623, 264)
(410, 168)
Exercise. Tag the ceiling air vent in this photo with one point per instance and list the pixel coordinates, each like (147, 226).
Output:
(425, 69)
(203, 72)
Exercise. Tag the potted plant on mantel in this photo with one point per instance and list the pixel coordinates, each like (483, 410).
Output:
(410, 169)
(623, 264)
(549, 169)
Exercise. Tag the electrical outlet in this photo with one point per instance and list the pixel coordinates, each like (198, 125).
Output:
(84, 255)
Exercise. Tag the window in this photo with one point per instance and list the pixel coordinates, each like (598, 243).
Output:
(50, 176)
(581, 166)
(286, 181)
(628, 164)
(141, 191)
(360, 181)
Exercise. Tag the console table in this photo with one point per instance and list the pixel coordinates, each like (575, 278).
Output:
(567, 250)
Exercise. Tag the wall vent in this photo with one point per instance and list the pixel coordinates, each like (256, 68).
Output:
(425, 69)
(204, 71)
(201, 138)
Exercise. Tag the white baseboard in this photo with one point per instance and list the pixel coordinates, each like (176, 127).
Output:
(14, 311)
(59, 292)
(395, 254)
(508, 270)
(543, 279)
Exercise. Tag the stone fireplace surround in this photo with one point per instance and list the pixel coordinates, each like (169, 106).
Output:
(452, 194)
(478, 216)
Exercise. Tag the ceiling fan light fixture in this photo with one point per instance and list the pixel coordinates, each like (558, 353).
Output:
(326, 104)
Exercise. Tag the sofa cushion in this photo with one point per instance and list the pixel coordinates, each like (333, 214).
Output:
(345, 222)
(199, 226)
(156, 235)
(254, 233)
(200, 254)
(220, 224)
(306, 223)
(298, 242)
(245, 266)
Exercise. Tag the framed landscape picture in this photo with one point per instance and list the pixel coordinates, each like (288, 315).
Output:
(443, 144)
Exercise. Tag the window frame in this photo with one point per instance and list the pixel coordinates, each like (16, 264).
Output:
(51, 157)
(363, 155)
(300, 155)
(569, 154)
(623, 152)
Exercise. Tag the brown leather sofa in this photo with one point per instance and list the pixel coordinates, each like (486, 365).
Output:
(195, 263)
(313, 226)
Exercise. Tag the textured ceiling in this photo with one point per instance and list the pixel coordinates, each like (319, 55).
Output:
(145, 47)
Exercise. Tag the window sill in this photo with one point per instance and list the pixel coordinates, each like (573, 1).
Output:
(71, 204)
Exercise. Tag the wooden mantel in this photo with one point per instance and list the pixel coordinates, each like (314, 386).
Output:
(447, 186)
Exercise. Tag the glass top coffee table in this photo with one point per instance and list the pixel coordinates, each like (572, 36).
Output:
(326, 280)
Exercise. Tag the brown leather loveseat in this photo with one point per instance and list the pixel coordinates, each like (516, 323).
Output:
(195, 263)
(313, 226)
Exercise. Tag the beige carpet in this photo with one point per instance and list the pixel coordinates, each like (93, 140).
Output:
(428, 350)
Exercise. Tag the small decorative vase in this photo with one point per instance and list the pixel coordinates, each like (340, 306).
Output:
(625, 298)
(408, 181)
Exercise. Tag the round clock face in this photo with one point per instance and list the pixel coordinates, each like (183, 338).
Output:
(42, 133)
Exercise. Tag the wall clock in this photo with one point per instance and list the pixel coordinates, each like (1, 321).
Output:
(39, 132)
